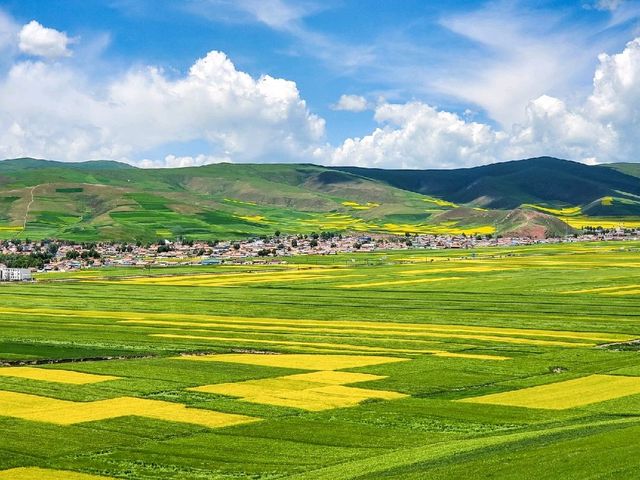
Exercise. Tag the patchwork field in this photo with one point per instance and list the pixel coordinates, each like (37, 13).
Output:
(492, 363)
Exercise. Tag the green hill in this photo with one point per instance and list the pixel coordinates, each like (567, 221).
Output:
(104, 200)
(578, 194)
(543, 180)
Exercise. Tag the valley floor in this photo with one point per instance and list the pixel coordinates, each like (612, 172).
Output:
(515, 362)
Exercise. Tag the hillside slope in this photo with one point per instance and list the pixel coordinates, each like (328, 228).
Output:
(545, 180)
(112, 201)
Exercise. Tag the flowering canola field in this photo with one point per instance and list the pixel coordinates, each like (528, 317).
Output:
(413, 364)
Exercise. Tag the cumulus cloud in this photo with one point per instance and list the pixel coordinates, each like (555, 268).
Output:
(173, 161)
(53, 111)
(603, 128)
(415, 135)
(56, 110)
(35, 39)
(351, 103)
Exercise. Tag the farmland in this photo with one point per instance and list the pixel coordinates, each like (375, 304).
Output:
(491, 363)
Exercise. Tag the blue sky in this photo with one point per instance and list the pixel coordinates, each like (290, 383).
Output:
(426, 84)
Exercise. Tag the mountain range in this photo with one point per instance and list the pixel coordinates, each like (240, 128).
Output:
(105, 200)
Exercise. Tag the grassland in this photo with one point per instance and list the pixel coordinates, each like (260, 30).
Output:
(495, 363)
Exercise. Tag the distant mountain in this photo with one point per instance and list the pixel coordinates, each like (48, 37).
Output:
(545, 180)
(103, 200)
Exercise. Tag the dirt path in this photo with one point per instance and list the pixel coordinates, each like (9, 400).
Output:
(26, 214)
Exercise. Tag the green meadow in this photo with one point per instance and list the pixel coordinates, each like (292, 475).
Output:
(510, 363)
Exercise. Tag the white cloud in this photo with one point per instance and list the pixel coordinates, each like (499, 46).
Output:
(52, 111)
(415, 135)
(34, 39)
(56, 110)
(172, 161)
(602, 128)
(518, 55)
(351, 103)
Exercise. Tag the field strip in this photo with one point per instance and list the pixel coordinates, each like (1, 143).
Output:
(477, 268)
(397, 282)
(234, 278)
(37, 473)
(567, 394)
(605, 289)
(364, 333)
(315, 398)
(315, 391)
(53, 375)
(233, 282)
(624, 292)
(333, 346)
(65, 412)
(320, 332)
(235, 275)
(299, 361)
(369, 325)
(374, 467)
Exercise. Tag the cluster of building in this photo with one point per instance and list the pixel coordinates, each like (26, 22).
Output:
(66, 256)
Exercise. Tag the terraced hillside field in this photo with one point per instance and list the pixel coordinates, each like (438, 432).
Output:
(498, 363)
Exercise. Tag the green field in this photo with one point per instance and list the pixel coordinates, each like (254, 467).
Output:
(496, 363)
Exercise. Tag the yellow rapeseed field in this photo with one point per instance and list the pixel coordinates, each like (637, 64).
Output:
(359, 206)
(365, 328)
(57, 376)
(124, 316)
(323, 346)
(65, 412)
(397, 282)
(231, 279)
(567, 394)
(315, 391)
(252, 218)
(331, 377)
(36, 473)
(567, 211)
(297, 361)
(604, 222)
(360, 333)
(460, 268)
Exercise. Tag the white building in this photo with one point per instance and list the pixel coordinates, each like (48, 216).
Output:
(14, 274)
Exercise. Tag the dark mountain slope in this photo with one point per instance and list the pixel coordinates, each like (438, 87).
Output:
(544, 180)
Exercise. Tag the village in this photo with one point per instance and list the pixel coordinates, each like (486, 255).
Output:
(18, 259)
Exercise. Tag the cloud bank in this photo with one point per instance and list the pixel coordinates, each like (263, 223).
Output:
(603, 128)
(54, 111)
(54, 108)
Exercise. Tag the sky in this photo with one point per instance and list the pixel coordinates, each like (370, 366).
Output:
(376, 83)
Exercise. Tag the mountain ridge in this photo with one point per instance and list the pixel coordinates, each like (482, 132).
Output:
(101, 199)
